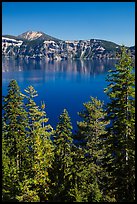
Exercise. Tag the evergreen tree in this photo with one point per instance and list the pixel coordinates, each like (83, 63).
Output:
(62, 161)
(91, 132)
(40, 150)
(14, 140)
(6, 182)
(99, 167)
(43, 156)
(120, 140)
(79, 176)
(33, 115)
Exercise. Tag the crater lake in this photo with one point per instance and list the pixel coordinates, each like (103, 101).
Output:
(60, 84)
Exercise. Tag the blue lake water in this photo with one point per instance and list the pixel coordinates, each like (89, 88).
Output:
(61, 84)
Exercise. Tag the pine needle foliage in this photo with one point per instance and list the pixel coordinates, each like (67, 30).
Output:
(120, 142)
(62, 158)
(96, 164)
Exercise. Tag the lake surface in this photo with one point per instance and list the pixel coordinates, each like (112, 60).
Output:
(61, 84)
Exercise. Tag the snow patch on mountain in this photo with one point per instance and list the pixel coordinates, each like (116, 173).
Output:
(31, 35)
(11, 41)
(51, 48)
(8, 43)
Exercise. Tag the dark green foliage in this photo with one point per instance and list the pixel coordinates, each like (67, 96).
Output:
(120, 143)
(62, 158)
(93, 124)
(97, 164)
(14, 140)
(91, 133)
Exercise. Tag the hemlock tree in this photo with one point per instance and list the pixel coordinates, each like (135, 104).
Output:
(6, 182)
(33, 115)
(41, 151)
(39, 182)
(91, 131)
(79, 176)
(120, 143)
(62, 161)
(43, 156)
(14, 141)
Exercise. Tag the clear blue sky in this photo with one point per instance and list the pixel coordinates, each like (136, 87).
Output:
(114, 21)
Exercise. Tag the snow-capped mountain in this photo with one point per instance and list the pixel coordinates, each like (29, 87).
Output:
(30, 35)
(39, 45)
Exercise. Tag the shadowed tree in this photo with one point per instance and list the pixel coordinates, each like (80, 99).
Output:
(63, 159)
(120, 142)
(14, 140)
(91, 131)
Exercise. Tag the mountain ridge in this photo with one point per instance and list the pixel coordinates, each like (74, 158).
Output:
(37, 45)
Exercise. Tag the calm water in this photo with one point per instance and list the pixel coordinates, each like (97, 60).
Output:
(65, 84)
